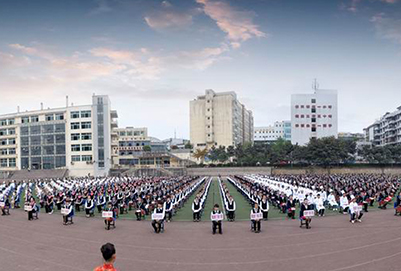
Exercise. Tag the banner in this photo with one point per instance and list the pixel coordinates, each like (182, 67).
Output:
(358, 209)
(28, 208)
(65, 211)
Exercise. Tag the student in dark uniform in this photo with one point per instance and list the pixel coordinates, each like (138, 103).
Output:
(264, 206)
(256, 222)
(291, 208)
(169, 209)
(219, 223)
(89, 207)
(140, 210)
(158, 225)
(68, 217)
(196, 209)
(305, 207)
(231, 207)
(110, 221)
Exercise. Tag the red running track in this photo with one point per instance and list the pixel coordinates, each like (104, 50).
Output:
(333, 244)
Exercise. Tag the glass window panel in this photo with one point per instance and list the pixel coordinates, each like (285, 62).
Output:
(24, 131)
(60, 149)
(60, 161)
(60, 139)
(60, 128)
(48, 129)
(48, 150)
(48, 139)
(35, 140)
(36, 150)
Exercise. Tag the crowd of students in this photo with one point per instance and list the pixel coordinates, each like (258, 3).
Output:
(160, 198)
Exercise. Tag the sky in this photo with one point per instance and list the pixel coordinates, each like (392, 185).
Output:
(152, 57)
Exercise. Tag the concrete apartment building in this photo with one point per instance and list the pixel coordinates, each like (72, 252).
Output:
(271, 133)
(313, 116)
(219, 119)
(77, 138)
(386, 130)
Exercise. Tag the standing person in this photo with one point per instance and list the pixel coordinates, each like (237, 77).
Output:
(169, 209)
(196, 209)
(256, 222)
(231, 207)
(217, 223)
(109, 255)
(100, 202)
(158, 225)
(264, 206)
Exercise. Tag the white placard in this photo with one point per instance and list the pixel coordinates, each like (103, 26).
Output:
(28, 208)
(2, 204)
(309, 213)
(157, 216)
(65, 211)
(217, 217)
(107, 214)
(256, 216)
(358, 208)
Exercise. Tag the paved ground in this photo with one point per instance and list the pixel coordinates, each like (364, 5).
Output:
(333, 244)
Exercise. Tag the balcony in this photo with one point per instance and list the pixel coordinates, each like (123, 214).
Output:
(114, 124)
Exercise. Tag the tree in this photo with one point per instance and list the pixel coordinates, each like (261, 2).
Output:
(200, 154)
(147, 148)
(188, 145)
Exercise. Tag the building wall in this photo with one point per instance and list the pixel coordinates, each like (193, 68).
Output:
(385, 131)
(59, 138)
(219, 119)
(313, 116)
(271, 133)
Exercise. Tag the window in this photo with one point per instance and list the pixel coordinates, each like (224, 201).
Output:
(324, 125)
(12, 162)
(302, 125)
(25, 151)
(35, 140)
(3, 162)
(48, 129)
(48, 150)
(35, 130)
(24, 131)
(330, 116)
(75, 137)
(313, 101)
(37, 150)
(302, 116)
(60, 139)
(87, 158)
(86, 136)
(24, 141)
(34, 118)
(11, 121)
(86, 147)
(60, 161)
(297, 106)
(48, 162)
(60, 128)
(11, 141)
(4, 152)
(330, 125)
(59, 116)
(48, 139)
(307, 116)
(319, 116)
(313, 129)
(313, 110)
(11, 131)
(75, 147)
(308, 106)
(324, 106)
(3, 132)
(49, 117)
(302, 106)
(25, 120)
(75, 114)
(75, 158)
(296, 125)
(329, 106)
(86, 125)
(296, 116)
(74, 125)
(60, 149)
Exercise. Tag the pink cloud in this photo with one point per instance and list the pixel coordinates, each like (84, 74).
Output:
(168, 17)
(236, 23)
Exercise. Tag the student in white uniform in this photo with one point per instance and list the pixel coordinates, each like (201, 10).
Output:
(319, 205)
(354, 215)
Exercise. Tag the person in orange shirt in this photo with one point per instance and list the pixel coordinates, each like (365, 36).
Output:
(109, 255)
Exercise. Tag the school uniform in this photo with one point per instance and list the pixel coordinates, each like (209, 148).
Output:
(216, 224)
(264, 206)
(256, 224)
(231, 207)
(196, 209)
(158, 224)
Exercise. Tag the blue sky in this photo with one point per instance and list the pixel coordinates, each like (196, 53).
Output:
(152, 57)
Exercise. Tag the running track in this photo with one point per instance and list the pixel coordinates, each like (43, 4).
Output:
(333, 244)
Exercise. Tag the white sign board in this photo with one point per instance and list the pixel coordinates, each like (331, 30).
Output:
(217, 217)
(107, 214)
(65, 211)
(2, 204)
(157, 216)
(256, 216)
(309, 213)
(28, 208)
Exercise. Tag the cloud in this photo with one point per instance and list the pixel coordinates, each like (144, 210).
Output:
(353, 5)
(387, 27)
(168, 17)
(236, 23)
(102, 7)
